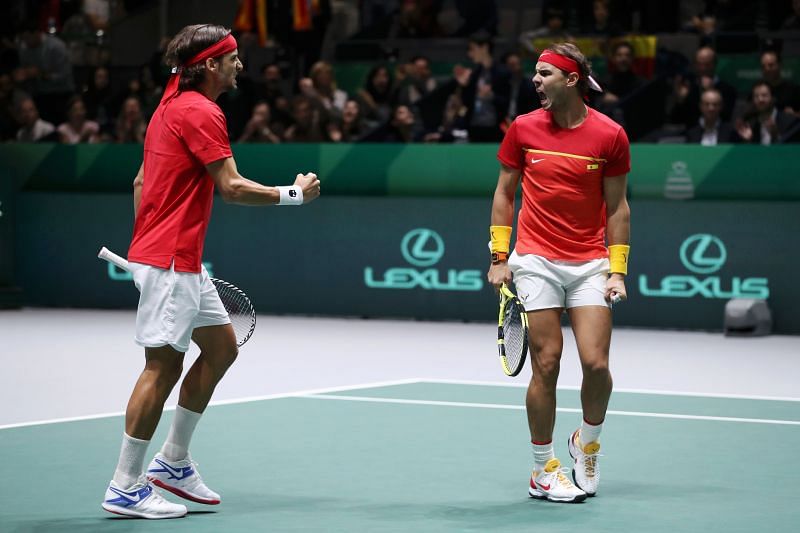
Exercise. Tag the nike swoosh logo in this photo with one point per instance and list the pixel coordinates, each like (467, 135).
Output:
(131, 497)
(534, 161)
(539, 485)
(179, 473)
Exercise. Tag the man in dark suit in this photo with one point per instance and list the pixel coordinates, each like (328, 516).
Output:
(766, 124)
(711, 129)
(687, 90)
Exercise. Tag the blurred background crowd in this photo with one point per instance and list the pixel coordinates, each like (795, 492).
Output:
(435, 71)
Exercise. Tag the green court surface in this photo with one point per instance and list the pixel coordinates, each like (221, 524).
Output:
(429, 456)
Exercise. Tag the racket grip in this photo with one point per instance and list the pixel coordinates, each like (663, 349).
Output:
(111, 257)
(615, 299)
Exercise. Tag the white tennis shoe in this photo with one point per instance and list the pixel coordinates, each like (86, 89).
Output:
(142, 501)
(551, 484)
(586, 471)
(181, 478)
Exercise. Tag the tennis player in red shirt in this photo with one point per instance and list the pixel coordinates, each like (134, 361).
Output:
(571, 252)
(187, 154)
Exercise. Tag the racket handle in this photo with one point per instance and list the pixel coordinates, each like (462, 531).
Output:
(615, 299)
(111, 257)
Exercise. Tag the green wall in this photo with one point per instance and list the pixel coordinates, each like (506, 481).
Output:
(658, 171)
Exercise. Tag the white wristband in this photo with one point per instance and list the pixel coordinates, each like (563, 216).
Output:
(291, 195)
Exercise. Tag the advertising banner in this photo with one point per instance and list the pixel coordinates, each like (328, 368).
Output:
(416, 258)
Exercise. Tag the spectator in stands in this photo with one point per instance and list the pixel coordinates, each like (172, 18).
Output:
(45, 71)
(273, 87)
(453, 128)
(786, 93)
(352, 126)
(307, 123)
(764, 123)
(712, 130)
(32, 128)
(402, 128)
(259, 127)
(621, 81)
(10, 96)
(77, 129)
(554, 29)
(601, 22)
(323, 89)
(419, 19)
(99, 99)
(415, 80)
(378, 95)
(793, 22)
(522, 97)
(486, 91)
(131, 125)
(685, 107)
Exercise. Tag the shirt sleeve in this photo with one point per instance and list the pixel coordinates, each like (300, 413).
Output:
(510, 152)
(205, 133)
(619, 157)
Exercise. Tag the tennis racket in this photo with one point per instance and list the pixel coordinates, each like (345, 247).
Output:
(512, 332)
(237, 304)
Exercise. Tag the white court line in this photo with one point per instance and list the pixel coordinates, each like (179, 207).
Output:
(630, 391)
(561, 409)
(225, 402)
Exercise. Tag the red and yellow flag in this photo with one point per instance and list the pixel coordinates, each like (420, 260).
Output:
(252, 16)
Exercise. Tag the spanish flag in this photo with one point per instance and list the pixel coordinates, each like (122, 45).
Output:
(301, 15)
(252, 16)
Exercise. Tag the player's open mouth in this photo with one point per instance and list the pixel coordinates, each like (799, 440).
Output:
(542, 97)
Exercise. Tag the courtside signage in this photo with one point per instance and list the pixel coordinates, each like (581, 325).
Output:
(423, 248)
(703, 254)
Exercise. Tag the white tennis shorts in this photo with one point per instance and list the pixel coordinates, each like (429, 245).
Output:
(544, 284)
(172, 304)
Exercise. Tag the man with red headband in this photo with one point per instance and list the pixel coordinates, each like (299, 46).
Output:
(187, 154)
(571, 253)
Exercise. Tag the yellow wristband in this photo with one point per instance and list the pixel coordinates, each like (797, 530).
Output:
(618, 258)
(500, 238)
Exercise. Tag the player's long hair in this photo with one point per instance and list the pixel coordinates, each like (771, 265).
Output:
(573, 52)
(189, 42)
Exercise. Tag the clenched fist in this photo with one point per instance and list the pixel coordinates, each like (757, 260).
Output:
(310, 185)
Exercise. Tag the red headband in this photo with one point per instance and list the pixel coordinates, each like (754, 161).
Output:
(562, 62)
(221, 47)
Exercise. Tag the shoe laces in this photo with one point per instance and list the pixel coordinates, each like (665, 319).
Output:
(590, 463)
(557, 471)
(563, 480)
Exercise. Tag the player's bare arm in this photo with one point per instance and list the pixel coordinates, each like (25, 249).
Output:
(138, 183)
(618, 217)
(237, 189)
(503, 215)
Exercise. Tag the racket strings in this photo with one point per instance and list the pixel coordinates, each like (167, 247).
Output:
(240, 310)
(513, 335)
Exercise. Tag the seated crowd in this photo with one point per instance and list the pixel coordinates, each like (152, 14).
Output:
(678, 101)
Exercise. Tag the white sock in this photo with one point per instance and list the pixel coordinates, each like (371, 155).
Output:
(589, 433)
(131, 461)
(176, 447)
(541, 454)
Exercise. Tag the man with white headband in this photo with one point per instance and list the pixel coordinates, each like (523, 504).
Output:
(571, 252)
(187, 154)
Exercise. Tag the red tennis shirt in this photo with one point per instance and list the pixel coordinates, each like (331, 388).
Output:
(563, 214)
(184, 135)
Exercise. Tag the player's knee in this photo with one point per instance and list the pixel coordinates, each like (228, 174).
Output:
(229, 356)
(597, 368)
(222, 359)
(166, 375)
(547, 364)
